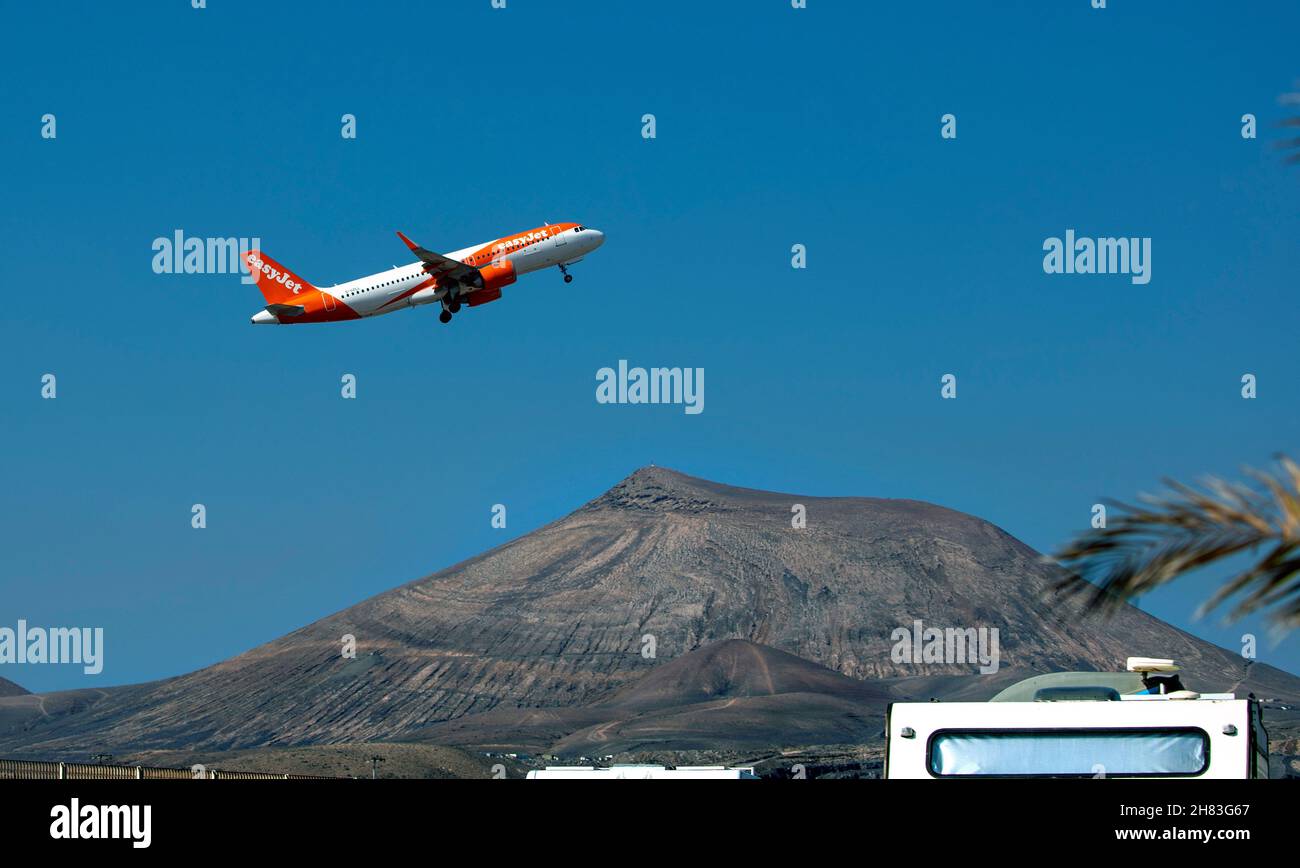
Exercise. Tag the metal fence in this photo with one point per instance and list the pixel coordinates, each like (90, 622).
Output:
(35, 770)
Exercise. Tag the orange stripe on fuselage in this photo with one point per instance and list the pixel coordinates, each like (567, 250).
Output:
(407, 293)
(511, 243)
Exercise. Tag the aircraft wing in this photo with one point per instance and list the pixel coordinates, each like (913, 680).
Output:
(442, 266)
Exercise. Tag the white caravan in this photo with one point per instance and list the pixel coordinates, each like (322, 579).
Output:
(1136, 724)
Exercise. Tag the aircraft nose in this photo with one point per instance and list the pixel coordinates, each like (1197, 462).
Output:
(597, 238)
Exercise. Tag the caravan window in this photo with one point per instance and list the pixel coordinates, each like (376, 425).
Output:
(1077, 752)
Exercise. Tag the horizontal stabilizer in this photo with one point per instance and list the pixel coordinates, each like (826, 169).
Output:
(286, 309)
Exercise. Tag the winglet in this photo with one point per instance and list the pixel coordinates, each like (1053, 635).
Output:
(427, 256)
(420, 252)
(439, 265)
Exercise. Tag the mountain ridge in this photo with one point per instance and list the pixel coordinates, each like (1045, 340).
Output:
(559, 618)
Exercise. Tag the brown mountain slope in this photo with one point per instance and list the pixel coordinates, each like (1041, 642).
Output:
(732, 694)
(8, 688)
(557, 619)
(732, 670)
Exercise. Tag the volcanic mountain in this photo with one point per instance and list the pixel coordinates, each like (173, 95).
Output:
(591, 612)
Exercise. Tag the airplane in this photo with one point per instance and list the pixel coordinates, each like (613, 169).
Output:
(473, 276)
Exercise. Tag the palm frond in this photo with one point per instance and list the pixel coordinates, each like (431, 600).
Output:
(1165, 537)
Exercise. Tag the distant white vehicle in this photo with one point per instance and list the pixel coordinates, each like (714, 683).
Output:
(1137, 724)
(643, 772)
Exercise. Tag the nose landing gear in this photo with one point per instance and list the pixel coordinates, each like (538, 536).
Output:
(568, 278)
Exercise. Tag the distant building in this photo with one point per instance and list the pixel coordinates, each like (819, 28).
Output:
(644, 772)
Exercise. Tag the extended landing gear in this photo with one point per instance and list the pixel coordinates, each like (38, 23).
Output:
(568, 278)
(450, 305)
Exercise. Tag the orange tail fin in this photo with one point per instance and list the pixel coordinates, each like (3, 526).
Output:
(277, 283)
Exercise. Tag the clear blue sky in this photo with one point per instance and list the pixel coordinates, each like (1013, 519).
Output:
(775, 127)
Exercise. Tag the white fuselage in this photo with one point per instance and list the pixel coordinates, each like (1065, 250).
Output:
(373, 295)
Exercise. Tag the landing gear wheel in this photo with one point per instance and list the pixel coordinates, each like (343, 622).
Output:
(568, 278)
(444, 317)
(454, 307)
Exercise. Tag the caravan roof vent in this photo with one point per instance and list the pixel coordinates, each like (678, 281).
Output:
(1150, 664)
